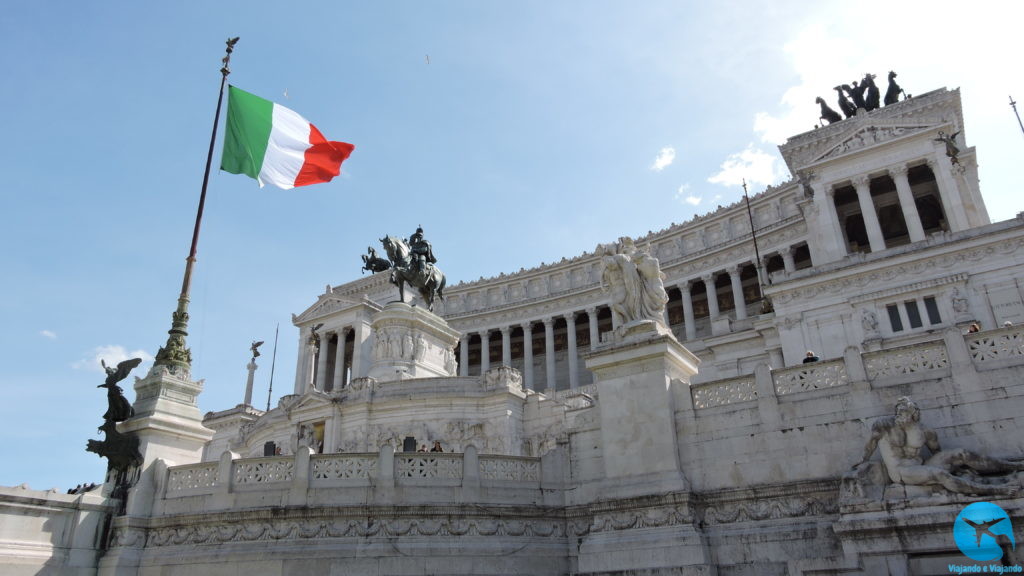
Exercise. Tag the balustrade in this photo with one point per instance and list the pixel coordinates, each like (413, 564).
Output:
(724, 392)
(811, 376)
(906, 360)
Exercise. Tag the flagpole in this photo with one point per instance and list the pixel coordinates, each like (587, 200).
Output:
(766, 303)
(175, 353)
(273, 362)
(1014, 106)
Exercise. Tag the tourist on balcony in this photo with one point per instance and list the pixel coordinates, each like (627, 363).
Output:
(811, 357)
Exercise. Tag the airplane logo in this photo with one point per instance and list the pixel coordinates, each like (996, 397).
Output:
(982, 528)
(975, 522)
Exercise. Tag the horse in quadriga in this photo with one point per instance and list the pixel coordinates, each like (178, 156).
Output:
(429, 280)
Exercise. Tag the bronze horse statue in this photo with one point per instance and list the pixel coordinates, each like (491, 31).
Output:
(429, 280)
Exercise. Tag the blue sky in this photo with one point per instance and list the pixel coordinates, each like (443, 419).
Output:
(515, 133)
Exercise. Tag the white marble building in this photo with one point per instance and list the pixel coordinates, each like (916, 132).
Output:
(576, 446)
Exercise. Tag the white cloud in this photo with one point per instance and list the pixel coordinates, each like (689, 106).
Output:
(665, 158)
(48, 334)
(112, 354)
(683, 195)
(753, 164)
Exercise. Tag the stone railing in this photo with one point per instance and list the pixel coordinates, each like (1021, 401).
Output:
(722, 392)
(273, 470)
(810, 376)
(428, 465)
(932, 359)
(305, 471)
(996, 346)
(194, 477)
(906, 360)
(333, 469)
(509, 469)
(589, 389)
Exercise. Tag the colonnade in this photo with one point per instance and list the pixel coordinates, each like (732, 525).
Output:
(951, 203)
(328, 362)
(531, 380)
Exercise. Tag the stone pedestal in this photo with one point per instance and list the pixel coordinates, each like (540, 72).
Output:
(170, 431)
(635, 374)
(411, 342)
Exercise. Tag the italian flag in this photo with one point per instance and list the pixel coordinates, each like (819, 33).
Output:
(274, 145)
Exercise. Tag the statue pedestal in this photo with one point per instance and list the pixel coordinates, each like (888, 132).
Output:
(411, 342)
(169, 426)
(170, 430)
(635, 374)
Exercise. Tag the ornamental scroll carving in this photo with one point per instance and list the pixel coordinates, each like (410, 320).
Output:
(770, 509)
(363, 527)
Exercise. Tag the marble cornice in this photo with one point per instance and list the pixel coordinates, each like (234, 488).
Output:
(669, 234)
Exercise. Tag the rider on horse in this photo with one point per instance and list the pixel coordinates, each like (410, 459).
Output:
(422, 251)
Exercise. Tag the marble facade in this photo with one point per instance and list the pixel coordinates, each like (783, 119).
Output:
(697, 443)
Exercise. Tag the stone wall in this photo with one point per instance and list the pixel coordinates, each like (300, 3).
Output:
(48, 533)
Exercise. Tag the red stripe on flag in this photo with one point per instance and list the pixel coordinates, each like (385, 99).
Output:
(322, 160)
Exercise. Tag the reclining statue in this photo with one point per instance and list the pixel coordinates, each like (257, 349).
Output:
(901, 440)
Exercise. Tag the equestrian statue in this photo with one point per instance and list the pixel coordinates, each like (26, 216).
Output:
(413, 263)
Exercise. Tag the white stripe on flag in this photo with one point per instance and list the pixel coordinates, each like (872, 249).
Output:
(286, 150)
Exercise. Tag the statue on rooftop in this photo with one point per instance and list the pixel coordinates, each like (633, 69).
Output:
(374, 263)
(901, 439)
(413, 263)
(827, 114)
(856, 94)
(892, 93)
(120, 450)
(870, 91)
(952, 150)
(844, 105)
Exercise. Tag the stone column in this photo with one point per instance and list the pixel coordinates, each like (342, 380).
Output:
(321, 363)
(361, 350)
(311, 364)
(248, 382)
(952, 207)
(301, 363)
(464, 354)
(712, 292)
(595, 335)
(788, 261)
(826, 241)
(910, 215)
(485, 351)
(570, 329)
(339, 360)
(506, 345)
(528, 354)
(867, 209)
(737, 292)
(549, 352)
(691, 330)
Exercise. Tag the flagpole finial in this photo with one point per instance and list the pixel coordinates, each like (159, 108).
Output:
(225, 70)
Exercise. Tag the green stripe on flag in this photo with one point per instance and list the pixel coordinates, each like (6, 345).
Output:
(248, 131)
